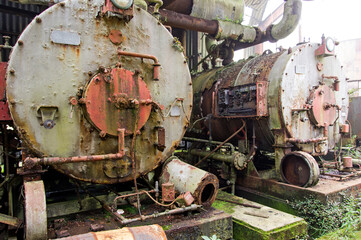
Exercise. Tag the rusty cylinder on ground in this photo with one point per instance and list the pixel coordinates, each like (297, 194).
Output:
(150, 232)
(186, 178)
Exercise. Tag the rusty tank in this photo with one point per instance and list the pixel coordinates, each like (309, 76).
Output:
(89, 93)
(293, 103)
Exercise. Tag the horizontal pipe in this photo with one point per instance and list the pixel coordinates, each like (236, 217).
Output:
(165, 213)
(189, 139)
(304, 141)
(215, 156)
(30, 162)
(178, 20)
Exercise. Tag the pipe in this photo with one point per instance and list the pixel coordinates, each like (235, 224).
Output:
(189, 139)
(273, 33)
(30, 162)
(305, 141)
(184, 6)
(178, 20)
(224, 142)
(289, 21)
(216, 156)
(140, 55)
(158, 4)
(186, 178)
(192, 207)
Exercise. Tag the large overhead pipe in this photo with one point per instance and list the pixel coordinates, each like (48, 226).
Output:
(289, 21)
(240, 35)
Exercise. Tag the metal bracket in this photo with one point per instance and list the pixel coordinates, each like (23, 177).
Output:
(47, 115)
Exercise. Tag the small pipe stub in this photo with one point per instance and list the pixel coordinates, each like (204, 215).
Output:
(347, 162)
(202, 185)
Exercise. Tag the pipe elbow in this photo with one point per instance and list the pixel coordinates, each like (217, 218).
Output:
(288, 23)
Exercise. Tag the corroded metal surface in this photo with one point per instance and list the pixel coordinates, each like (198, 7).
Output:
(324, 108)
(292, 102)
(300, 169)
(117, 100)
(293, 82)
(35, 211)
(186, 178)
(354, 116)
(168, 192)
(4, 108)
(48, 94)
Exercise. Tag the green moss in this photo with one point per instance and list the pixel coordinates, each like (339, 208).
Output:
(167, 227)
(129, 209)
(224, 206)
(243, 231)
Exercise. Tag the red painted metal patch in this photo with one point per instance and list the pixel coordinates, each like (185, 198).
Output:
(4, 108)
(116, 37)
(324, 108)
(117, 98)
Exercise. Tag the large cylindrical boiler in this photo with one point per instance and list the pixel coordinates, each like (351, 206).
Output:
(292, 100)
(88, 86)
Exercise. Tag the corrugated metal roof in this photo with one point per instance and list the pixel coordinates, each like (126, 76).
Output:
(14, 17)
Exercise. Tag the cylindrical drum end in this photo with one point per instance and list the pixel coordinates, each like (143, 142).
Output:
(186, 178)
(207, 190)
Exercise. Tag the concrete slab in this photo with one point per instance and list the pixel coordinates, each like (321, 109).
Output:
(208, 223)
(255, 221)
(327, 188)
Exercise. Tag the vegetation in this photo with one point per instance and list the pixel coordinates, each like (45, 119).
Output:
(344, 216)
(214, 237)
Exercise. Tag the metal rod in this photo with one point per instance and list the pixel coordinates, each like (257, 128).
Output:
(239, 203)
(121, 134)
(155, 215)
(130, 195)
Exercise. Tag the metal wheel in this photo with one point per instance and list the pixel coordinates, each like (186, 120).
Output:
(300, 168)
(35, 211)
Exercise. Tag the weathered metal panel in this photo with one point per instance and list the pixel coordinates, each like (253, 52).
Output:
(354, 116)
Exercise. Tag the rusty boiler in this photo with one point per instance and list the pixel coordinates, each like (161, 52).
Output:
(89, 93)
(293, 103)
